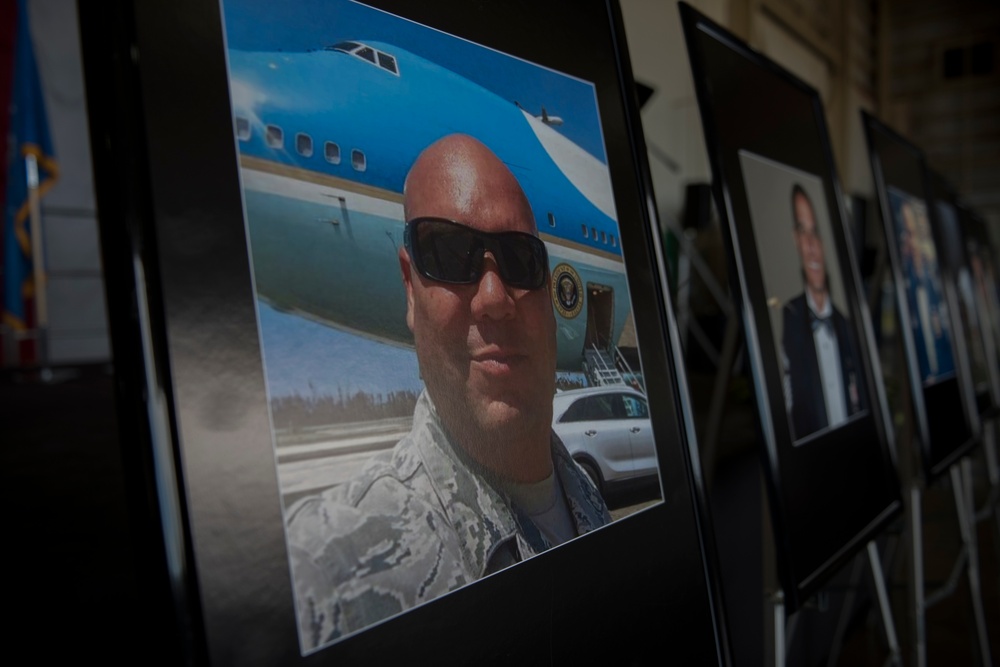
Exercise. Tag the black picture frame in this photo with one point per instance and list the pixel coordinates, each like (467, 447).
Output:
(981, 251)
(214, 565)
(946, 422)
(830, 490)
(959, 251)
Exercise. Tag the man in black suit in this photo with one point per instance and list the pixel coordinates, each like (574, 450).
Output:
(822, 382)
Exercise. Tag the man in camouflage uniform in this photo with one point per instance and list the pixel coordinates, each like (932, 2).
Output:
(481, 481)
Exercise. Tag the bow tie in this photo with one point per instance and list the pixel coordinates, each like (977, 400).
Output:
(818, 322)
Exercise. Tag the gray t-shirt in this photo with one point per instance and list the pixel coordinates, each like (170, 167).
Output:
(544, 503)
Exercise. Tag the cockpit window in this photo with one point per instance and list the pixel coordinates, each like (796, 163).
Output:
(242, 128)
(274, 137)
(387, 62)
(346, 47)
(374, 56)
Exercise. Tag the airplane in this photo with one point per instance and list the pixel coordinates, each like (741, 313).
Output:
(326, 138)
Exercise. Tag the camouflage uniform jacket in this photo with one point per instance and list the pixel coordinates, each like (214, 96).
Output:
(416, 523)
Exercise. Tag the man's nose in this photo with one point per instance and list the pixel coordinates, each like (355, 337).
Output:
(492, 298)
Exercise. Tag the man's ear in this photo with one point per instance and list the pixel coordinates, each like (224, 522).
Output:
(404, 267)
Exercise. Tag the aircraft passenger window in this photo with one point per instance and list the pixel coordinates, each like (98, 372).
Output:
(614, 241)
(387, 62)
(585, 231)
(358, 160)
(274, 137)
(304, 144)
(367, 53)
(242, 128)
(604, 237)
(593, 233)
(332, 152)
(552, 219)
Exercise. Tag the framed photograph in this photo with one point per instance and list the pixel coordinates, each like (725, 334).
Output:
(962, 258)
(828, 453)
(415, 386)
(981, 256)
(946, 422)
(804, 278)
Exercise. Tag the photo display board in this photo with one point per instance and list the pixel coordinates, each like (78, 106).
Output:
(963, 261)
(987, 288)
(946, 421)
(830, 470)
(421, 392)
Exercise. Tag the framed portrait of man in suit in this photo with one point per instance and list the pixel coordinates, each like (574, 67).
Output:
(814, 338)
(826, 442)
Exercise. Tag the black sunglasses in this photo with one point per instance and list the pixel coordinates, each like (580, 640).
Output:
(450, 252)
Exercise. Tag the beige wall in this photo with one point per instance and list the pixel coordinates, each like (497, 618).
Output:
(885, 57)
(828, 44)
(956, 122)
(670, 120)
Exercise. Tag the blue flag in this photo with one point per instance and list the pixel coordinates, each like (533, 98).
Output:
(28, 135)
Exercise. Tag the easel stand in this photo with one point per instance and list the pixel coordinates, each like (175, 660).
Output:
(968, 558)
(784, 629)
(991, 508)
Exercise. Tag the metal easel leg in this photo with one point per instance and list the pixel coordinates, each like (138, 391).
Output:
(961, 479)
(845, 611)
(993, 474)
(917, 605)
(730, 346)
(778, 609)
(883, 603)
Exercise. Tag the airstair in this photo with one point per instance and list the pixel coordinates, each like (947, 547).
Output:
(601, 368)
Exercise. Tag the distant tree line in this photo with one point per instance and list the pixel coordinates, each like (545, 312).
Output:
(298, 411)
(567, 381)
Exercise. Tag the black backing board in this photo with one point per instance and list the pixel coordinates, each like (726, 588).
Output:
(958, 250)
(947, 424)
(192, 381)
(833, 489)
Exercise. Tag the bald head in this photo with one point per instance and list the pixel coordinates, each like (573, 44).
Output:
(459, 178)
(486, 349)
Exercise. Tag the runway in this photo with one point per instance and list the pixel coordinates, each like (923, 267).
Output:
(313, 459)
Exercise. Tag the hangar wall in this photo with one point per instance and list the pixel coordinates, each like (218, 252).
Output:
(884, 56)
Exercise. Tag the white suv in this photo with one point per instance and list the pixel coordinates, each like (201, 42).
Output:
(607, 431)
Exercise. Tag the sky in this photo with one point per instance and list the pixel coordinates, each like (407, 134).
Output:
(307, 358)
(259, 25)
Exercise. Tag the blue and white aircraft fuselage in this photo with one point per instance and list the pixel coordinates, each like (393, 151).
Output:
(326, 139)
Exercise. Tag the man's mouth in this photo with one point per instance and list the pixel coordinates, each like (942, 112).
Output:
(497, 360)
